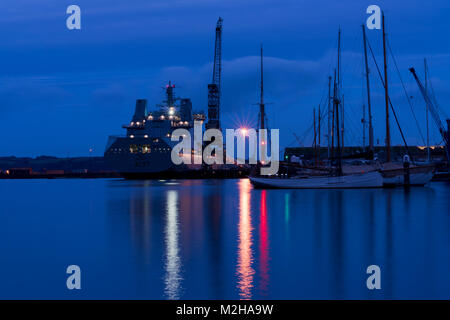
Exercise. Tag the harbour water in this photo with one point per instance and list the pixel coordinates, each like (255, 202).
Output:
(221, 239)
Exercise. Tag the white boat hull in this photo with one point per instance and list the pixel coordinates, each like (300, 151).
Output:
(361, 180)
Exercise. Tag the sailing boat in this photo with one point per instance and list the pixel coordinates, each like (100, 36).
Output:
(353, 181)
(334, 178)
(395, 174)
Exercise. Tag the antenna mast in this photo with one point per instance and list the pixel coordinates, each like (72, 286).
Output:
(426, 92)
(368, 91)
(330, 115)
(262, 111)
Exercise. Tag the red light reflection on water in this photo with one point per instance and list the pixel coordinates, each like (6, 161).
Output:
(264, 244)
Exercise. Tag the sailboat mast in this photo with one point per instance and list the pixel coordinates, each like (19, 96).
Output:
(315, 141)
(333, 115)
(342, 119)
(261, 104)
(427, 107)
(339, 59)
(368, 90)
(336, 108)
(341, 129)
(386, 94)
(363, 121)
(329, 116)
(318, 126)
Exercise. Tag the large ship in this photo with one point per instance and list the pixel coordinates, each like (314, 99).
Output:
(145, 150)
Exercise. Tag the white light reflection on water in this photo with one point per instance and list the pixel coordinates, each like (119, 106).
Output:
(172, 277)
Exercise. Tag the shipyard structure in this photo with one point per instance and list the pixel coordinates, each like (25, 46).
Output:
(145, 150)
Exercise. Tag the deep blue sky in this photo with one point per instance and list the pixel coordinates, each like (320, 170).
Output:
(62, 91)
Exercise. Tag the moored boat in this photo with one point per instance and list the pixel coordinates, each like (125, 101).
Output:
(371, 179)
(396, 175)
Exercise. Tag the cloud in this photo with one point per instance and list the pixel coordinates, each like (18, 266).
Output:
(30, 94)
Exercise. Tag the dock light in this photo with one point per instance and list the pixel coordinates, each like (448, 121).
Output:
(162, 117)
(131, 136)
(171, 111)
(138, 123)
(146, 136)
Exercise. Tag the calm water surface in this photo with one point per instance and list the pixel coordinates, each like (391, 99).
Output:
(221, 239)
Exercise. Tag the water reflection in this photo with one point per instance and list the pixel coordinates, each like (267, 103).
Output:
(140, 217)
(264, 245)
(323, 241)
(245, 271)
(390, 245)
(286, 208)
(214, 220)
(336, 225)
(172, 277)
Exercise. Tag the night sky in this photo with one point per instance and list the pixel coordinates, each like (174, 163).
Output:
(64, 91)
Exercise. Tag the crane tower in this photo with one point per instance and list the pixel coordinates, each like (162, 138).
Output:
(214, 87)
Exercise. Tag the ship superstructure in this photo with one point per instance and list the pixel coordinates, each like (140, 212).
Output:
(147, 146)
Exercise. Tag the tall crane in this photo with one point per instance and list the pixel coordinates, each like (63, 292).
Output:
(214, 86)
(434, 113)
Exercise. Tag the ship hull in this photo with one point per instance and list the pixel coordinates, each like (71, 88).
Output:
(125, 156)
(187, 174)
(363, 180)
(418, 176)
